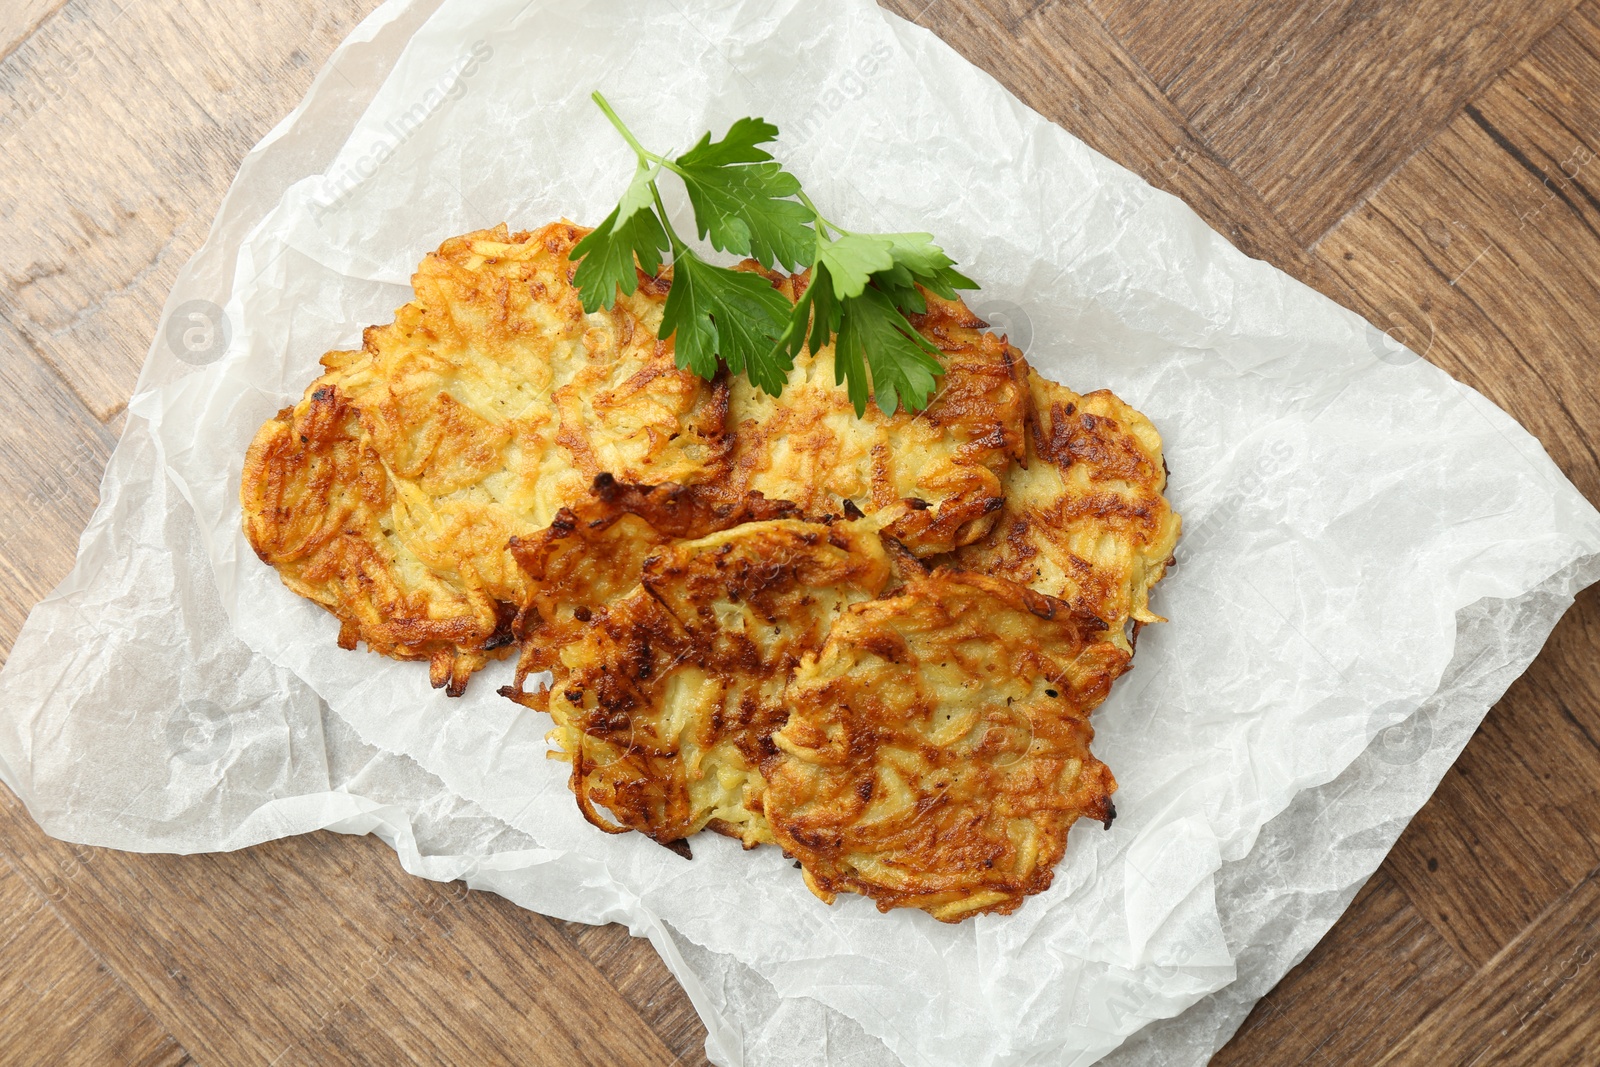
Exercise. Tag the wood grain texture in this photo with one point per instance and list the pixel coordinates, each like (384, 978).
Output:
(1429, 163)
(632, 966)
(52, 453)
(321, 949)
(64, 1006)
(1533, 1004)
(1057, 58)
(20, 19)
(1393, 970)
(127, 123)
(1487, 240)
(1513, 825)
(1314, 102)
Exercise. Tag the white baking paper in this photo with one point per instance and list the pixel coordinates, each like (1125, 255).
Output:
(1372, 550)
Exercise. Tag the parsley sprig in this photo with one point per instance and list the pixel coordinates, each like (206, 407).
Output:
(862, 286)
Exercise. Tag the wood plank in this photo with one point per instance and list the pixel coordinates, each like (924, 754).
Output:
(1315, 103)
(1059, 59)
(58, 1003)
(127, 124)
(1532, 1004)
(1375, 976)
(19, 21)
(1494, 267)
(634, 968)
(1513, 824)
(52, 453)
(321, 949)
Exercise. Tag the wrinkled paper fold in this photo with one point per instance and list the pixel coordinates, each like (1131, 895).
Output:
(1372, 551)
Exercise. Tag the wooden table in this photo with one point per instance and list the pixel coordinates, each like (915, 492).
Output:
(1429, 163)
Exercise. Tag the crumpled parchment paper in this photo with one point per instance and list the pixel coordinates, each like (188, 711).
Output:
(1373, 552)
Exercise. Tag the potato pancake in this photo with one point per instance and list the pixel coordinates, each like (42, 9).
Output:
(937, 749)
(874, 641)
(391, 492)
(593, 554)
(1085, 520)
(664, 706)
(934, 477)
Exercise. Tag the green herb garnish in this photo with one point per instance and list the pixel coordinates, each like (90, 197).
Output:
(863, 285)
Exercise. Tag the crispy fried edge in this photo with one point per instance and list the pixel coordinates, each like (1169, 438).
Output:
(454, 648)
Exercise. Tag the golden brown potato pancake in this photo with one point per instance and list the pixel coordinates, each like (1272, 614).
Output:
(934, 477)
(937, 749)
(593, 554)
(874, 641)
(390, 494)
(665, 703)
(319, 506)
(1085, 520)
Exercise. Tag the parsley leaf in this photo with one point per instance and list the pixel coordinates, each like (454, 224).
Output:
(607, 254)
(852, 259)
(918, 261)
(862, 285)
(874, 334)
(741, 197)
(735, 315)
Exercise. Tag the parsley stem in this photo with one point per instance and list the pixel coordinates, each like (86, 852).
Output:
(678, 247)
(640, 150)
(645, 156)
(822, 220)
(822, 224)
(627, 134)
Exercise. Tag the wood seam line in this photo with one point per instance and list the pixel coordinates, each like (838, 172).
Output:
(104, 964)
(1470, 99)
(60, 375)
(1510, 948)
(1243, 13)
(28, 34)
(1515, 944)
(1490, 323)
(1329, 281)
(1151, 85)
(1306, 268)
(13, 811)
(1152, 88)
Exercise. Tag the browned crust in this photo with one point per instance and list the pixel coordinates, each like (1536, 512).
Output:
(1086, 519)
(581, 562)
(639, 759)
(313, 493)
(954, 453)
(324, 481)
(867, 713)
(989, 551)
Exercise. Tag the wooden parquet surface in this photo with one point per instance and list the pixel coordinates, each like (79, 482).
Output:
(1429, 163)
